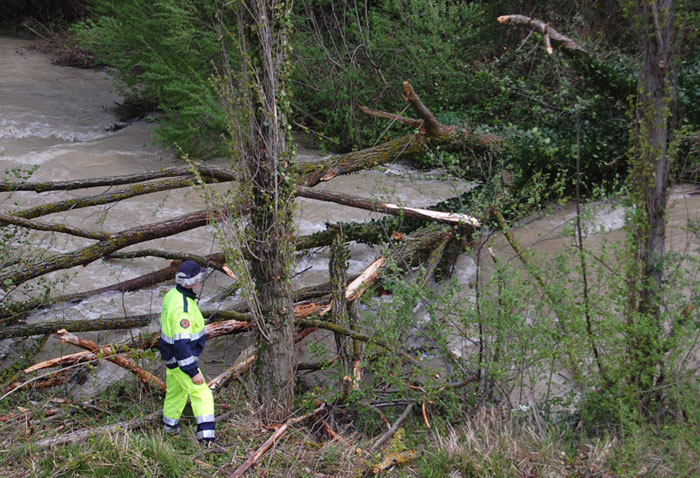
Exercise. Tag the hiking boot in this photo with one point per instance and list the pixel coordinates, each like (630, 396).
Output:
(172, 430)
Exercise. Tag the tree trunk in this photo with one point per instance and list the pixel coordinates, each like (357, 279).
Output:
(432, 134)
(649, 177)
(221, 174)
(257, 104)
(337, 269)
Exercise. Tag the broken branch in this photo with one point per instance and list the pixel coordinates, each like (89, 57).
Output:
(145, 376)
(541, 27)
(270, 441)
(388, 208)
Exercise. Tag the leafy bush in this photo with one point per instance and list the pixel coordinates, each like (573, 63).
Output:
(164, 51)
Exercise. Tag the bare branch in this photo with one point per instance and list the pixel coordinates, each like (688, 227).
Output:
(204, 170)
(540, 27)
(388, 208)
(401, 119)
(120, 240)
(145, 376)
(252, 459)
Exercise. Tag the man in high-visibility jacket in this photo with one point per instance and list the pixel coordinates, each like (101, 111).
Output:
(182, 340)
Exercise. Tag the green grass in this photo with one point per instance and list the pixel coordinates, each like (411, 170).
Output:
(479, 443)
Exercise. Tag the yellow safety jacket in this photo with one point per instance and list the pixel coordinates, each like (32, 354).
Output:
(182, 337)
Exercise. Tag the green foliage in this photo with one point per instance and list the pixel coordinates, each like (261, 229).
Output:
(469, 70)
(532, 336)
(349, 55)
(164, 51)
(469, 74)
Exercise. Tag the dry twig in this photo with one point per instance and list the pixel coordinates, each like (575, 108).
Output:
(270, 441)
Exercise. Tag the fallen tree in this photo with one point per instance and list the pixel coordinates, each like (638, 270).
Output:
(431, 134)
(424, 241)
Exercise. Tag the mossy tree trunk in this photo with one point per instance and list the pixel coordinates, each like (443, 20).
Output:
(258, 107)
(649, 180)
(337, 268)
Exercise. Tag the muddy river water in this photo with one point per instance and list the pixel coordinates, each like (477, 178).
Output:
(59, 120)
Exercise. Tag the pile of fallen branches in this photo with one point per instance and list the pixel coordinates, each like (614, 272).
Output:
(15, 274)
(424, 244)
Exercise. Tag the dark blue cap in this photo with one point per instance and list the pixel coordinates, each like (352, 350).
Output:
(189, 269)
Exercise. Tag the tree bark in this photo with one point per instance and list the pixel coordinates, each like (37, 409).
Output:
(133, 190)
(431, 134)
(27, 330)
(337, 269)
(650, 183)
(257, 105)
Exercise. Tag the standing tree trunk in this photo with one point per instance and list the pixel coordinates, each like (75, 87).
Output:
(337, 268)
(653, 20)
(256, 99)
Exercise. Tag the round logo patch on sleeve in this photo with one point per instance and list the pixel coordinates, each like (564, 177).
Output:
(184, 323)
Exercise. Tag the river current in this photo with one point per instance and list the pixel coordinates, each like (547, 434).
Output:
(59, 120)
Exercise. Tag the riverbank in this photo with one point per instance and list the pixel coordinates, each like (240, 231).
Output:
(529, 341)
(484, 444)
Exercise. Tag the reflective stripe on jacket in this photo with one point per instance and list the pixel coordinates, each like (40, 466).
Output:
(182, 335)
